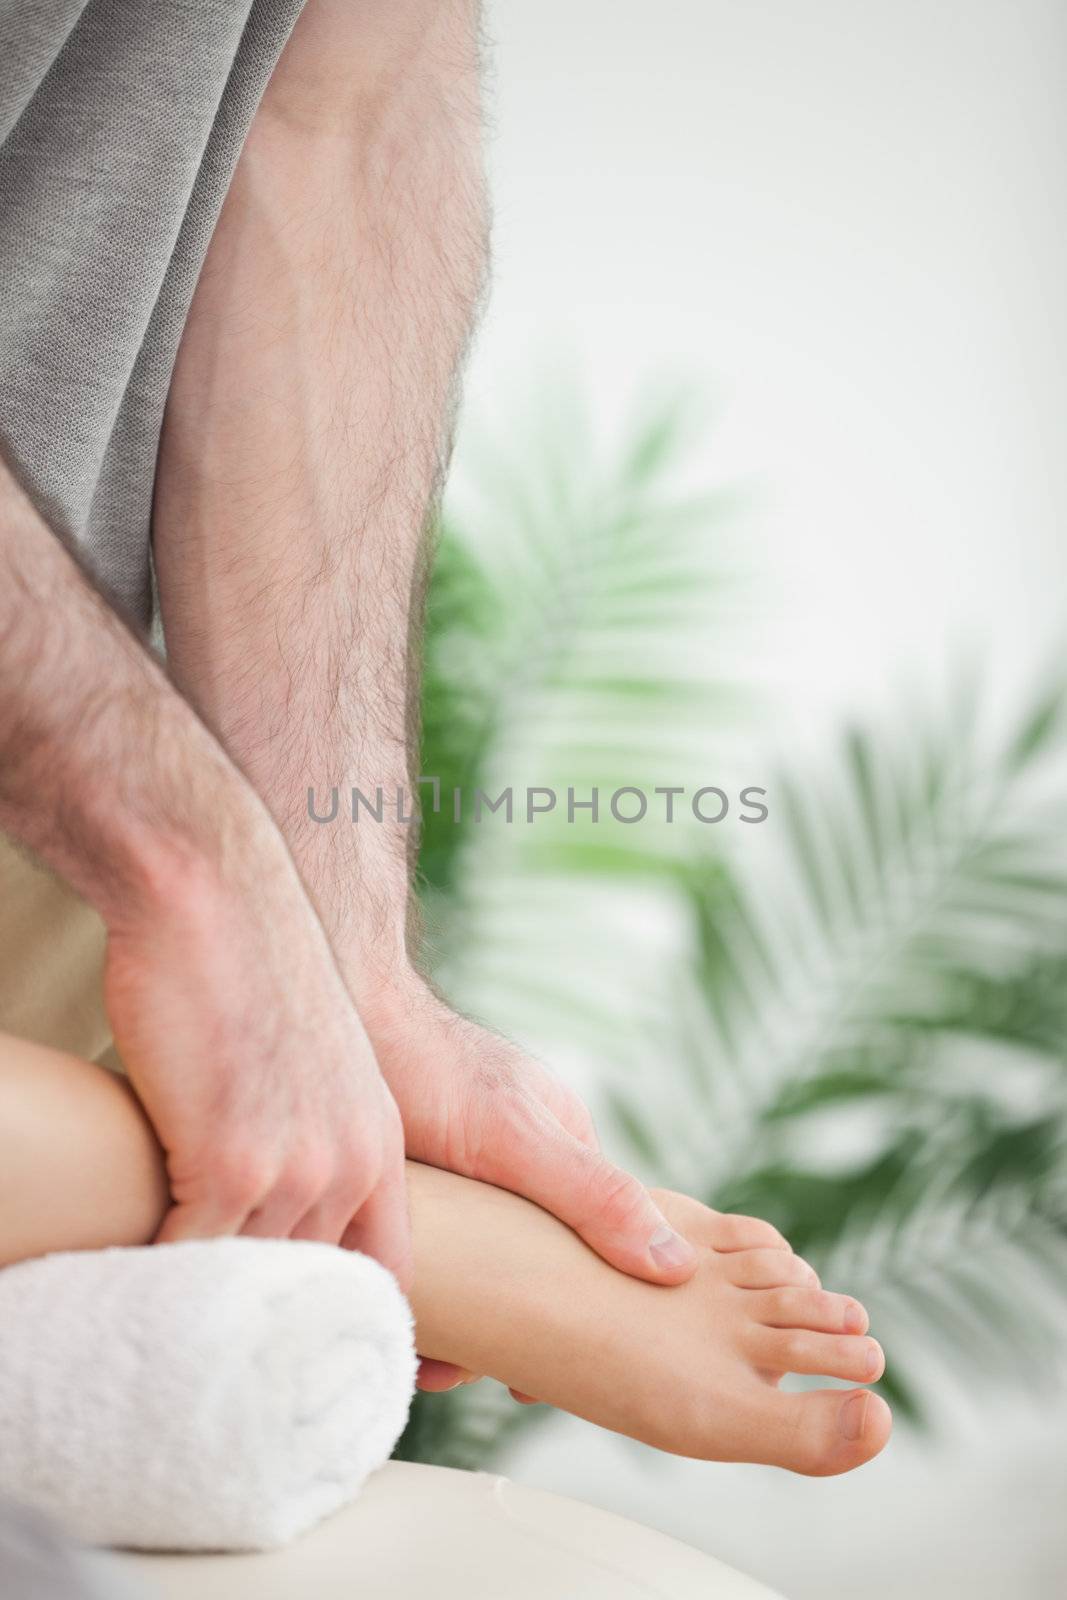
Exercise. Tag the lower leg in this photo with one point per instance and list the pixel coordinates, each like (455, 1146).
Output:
(80, 1167)
(502, 1287)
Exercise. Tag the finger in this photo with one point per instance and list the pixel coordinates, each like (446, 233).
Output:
(541, 1084)
(295, 1191)
(280, 1213)
(325, 1222)
(575, 1116)
(609, 1209)
(198, 1220)
(329, 1217)
(435, 1377)
(240, 1179)
(382, 1227)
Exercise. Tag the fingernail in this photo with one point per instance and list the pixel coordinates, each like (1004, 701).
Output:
(850, 1417)
(874, 1360)
(669, 1249)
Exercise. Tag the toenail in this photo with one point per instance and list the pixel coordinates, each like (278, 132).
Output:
(855, 1318)
(851, 1417)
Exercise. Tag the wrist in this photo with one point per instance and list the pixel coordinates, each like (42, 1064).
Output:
(391, 996)
(361, 891)
(173, 862)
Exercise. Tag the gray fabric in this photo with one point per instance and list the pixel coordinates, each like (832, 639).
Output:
(120, 125)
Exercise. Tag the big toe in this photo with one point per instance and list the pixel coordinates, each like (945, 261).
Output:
(826, 1431)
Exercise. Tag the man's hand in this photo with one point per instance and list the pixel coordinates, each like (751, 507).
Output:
(241, 1040)
(474, 1103)
(222, 990)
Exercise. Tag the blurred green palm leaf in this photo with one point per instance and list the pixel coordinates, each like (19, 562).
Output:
(566, 645)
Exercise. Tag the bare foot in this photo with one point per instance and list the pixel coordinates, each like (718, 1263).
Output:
(503, 1288)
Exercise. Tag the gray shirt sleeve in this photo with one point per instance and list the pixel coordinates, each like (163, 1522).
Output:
(121, 122)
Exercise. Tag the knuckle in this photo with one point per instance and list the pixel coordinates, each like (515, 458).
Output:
(315, 1166)
(613, 1197)
(355, 1187)
(371, 1153)
(363, 1151)
(516, 1116)
(306, 1177)
(576, 1116)
(242, 1175)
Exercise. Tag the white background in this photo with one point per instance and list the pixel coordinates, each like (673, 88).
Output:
(844, 220)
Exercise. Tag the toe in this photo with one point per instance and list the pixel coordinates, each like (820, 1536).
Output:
(768, 1269)
(791, 1307)
(827, 1430)
(732, 1232)
(828, 1354)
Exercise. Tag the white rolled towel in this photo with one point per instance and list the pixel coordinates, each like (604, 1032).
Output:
(211, 1395)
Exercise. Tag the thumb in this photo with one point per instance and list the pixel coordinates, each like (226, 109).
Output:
(609, 1209)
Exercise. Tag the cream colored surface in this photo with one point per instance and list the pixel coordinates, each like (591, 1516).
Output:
(428, 1533)
(51, 959)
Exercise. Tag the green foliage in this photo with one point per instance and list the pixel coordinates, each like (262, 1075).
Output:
(869, 1043)
(465, 1428)
(882, 1069)
(563, 622)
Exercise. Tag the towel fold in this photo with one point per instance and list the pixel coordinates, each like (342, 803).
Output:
(211, 1395)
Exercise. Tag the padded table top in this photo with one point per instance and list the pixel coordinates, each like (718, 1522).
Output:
(430, 1533)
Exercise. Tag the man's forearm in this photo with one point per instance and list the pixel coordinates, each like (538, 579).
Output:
(104, 771)
(307, 431)
(305, 438)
